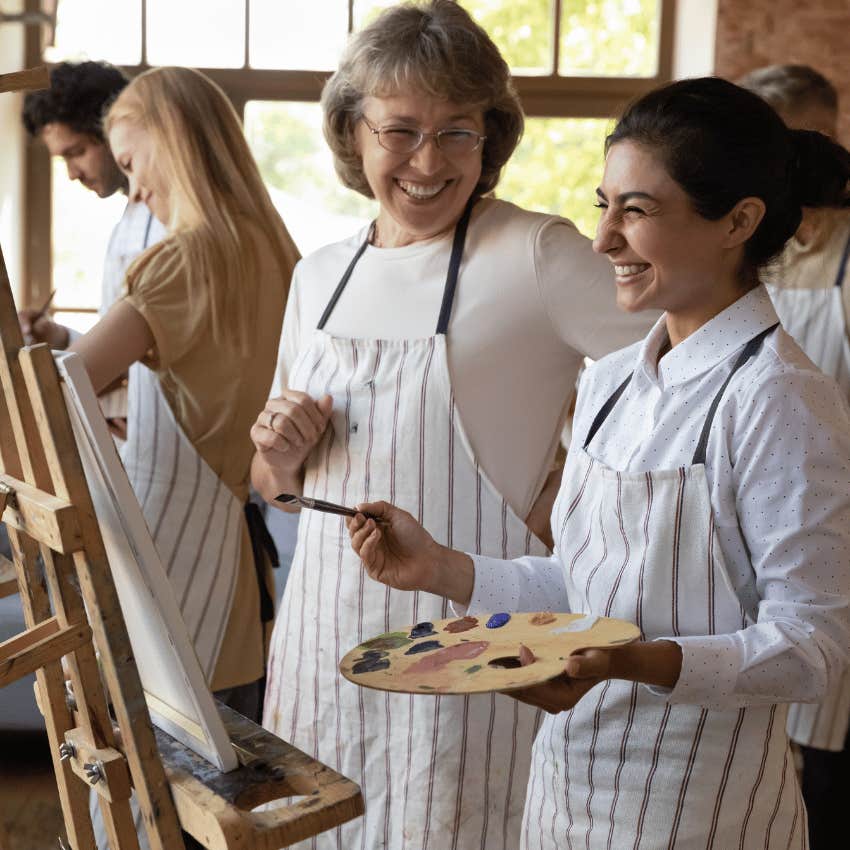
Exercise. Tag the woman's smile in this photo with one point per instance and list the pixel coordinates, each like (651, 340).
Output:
(421, 191)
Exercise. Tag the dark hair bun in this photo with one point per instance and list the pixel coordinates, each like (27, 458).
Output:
(820, 170)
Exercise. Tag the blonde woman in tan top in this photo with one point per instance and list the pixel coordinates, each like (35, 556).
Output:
(198, 330)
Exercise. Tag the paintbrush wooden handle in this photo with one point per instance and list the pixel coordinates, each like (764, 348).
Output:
(321, 505)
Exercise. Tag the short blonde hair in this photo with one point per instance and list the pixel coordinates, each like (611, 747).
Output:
(434, 48)
(217, 199)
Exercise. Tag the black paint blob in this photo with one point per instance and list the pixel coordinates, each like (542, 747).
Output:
(425, 646)
(370, 665)
(422, 630)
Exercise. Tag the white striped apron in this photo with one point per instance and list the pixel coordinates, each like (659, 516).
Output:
(194, 518)
(815, 318)
(445, 772)
(624, 769)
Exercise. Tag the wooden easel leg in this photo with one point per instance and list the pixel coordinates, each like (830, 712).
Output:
(50, 680)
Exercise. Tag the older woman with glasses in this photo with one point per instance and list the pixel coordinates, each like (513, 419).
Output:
(428, 360)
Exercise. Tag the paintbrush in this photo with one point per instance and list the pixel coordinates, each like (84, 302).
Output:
(43, 309)
(28, 337)
(323, 506)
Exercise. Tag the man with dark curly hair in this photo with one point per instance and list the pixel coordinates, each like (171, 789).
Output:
(67, 118)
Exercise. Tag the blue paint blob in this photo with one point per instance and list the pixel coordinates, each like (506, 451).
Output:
(497, 621)
(422, 630)
(425, 646)
(370, 665)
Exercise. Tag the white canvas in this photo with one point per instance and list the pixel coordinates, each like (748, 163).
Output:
(178, 697)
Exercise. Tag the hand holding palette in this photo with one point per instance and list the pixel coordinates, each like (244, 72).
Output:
(488, 652)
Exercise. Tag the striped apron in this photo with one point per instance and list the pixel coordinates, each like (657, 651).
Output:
(445, 772)
(624, 769)
(194, 518)
(815, 318)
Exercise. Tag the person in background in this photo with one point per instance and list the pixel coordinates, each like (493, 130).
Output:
(430, 359)
(68, 118)
(197, 328)
(810, 286)
(705, 497)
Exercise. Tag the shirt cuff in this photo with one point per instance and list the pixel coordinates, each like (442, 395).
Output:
(496, 588)
(709, 675)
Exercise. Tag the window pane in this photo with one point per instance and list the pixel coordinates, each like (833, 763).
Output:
(521, 29)
(557, 167)
(294, 160)
(109, 30)
(82, 225)
(282, 36)
(198, 33)
(609, 38)
(365, 11)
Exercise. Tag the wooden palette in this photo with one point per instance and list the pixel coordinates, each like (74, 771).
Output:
(478, 654)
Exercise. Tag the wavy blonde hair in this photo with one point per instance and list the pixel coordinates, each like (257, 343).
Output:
(217, 198)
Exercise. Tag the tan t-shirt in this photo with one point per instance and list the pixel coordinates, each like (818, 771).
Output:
(216, 393)
(815, 264)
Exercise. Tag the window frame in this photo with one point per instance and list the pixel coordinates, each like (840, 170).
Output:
(543, 96)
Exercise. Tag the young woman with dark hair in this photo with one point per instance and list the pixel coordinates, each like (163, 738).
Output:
(706, 497)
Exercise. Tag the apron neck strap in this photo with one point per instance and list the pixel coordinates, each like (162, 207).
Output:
(699, 455)
(146, 240)
(749, 350)
(451, 277)
(344, 279)
(454, 267)
(606, 408)
(842, 266)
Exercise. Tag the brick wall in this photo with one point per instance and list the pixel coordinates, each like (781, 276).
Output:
(751, 33)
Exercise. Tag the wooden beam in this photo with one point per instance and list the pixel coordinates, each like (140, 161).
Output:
(46, 518)
(114, 784)
(8, 579)
(27, 652)
(32, 78)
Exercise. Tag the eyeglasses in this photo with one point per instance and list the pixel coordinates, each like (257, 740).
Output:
(453, 141)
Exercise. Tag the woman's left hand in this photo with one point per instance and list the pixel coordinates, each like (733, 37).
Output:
(583, 671)
(657, 663)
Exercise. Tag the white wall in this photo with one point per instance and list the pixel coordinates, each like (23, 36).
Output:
(11, 147)
(693, 47)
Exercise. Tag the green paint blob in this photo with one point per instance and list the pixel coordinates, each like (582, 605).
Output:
(390, 640)
(474, 669)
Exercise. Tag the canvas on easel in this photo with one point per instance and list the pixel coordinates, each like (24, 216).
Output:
(178, 697)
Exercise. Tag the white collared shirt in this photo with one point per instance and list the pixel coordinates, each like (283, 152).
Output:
(778, 470)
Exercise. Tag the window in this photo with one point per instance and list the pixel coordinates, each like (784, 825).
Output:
(296, 164)
(575, 63)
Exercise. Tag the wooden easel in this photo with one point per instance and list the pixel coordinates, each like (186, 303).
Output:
(73, 616)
